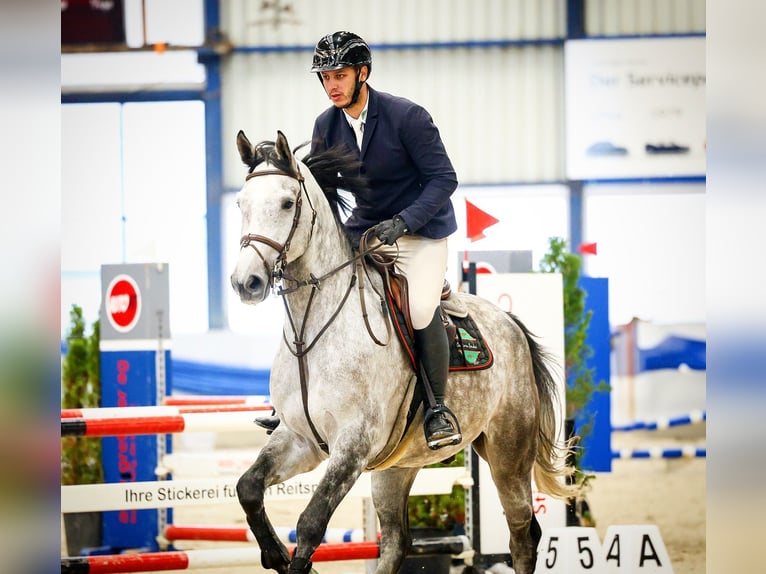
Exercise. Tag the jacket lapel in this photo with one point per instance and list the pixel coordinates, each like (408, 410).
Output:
(347, 132)
(371, 120)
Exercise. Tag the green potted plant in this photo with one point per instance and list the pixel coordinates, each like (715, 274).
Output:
(434, 515)
(580, 384)
(81, 456)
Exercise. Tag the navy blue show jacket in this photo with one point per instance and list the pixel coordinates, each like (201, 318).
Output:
(404, 161)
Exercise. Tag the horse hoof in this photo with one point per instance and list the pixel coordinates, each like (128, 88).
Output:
(274, 559)
(300, 566)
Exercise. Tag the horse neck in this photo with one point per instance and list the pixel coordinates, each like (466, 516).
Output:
(327, 251)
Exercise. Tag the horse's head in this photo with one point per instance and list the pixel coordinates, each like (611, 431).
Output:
(277, 216)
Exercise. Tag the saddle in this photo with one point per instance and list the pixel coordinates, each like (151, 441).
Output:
(468, 349)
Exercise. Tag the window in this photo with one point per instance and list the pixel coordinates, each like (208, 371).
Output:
(651, 247)
(133, 191)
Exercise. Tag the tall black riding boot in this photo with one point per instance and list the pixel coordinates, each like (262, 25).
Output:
(433, 352)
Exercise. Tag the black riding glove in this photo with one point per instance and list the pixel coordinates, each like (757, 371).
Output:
(390, 230)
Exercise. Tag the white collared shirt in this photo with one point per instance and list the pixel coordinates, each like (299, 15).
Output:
(358, 124)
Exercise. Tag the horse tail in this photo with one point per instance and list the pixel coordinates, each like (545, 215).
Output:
(550, 470)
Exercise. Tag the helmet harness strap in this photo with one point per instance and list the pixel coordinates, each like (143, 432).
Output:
(357, 88)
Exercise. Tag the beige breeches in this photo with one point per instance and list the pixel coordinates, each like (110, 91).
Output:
(424, 262)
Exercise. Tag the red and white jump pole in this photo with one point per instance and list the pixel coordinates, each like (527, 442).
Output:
(216, 533)
(213, 558)
(168, 410)
(126, 421)
(194, 400)
(230, 557)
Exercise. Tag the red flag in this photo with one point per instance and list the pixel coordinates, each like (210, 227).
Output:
(587, 248)
(477, 221)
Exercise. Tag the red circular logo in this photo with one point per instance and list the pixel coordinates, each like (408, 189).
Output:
(123, 303)
(484, 267)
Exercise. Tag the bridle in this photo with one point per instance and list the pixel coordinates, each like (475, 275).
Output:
(250, 239)
(277, 274)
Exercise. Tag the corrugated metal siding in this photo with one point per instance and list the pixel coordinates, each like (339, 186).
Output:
(303, 22)
(499, 110)
(628, 17)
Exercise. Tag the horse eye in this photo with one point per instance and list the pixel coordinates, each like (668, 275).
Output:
(288, 203)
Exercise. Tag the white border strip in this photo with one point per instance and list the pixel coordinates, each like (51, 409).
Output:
(135, 344)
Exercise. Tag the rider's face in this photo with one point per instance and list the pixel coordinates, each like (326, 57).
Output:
(340, 84)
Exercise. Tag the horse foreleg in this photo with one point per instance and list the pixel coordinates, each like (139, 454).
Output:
(390, 491)
(250, 490)
(269, 468)
(345, 465)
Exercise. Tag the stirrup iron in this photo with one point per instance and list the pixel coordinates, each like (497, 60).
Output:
(453, 439)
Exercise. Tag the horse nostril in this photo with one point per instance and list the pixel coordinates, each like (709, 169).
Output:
(253, 283)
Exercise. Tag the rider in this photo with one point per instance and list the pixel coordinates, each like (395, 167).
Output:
(411, 180)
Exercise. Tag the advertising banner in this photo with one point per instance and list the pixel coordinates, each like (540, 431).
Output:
(635, 108)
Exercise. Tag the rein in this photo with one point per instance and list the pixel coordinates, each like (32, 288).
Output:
(278, 274)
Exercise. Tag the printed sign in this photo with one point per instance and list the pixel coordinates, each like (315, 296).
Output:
(635, 108)
(537, 299)
(123, 303)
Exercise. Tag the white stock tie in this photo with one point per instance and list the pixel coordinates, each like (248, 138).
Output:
(358, 125)
(359, 131)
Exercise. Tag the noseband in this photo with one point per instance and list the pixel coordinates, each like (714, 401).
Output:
(250, 239)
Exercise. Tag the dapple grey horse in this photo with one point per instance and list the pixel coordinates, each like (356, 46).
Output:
(342, 385)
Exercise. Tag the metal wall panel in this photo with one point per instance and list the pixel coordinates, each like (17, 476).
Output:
(629, 17)
(499, 109)
(303, 22)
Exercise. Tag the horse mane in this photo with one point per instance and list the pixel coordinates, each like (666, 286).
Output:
(334, 169)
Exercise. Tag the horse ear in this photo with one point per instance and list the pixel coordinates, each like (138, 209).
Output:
(283, 151)
(283, 148)
(246, 149)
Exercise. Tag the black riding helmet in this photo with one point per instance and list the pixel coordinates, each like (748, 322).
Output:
(340, 50)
